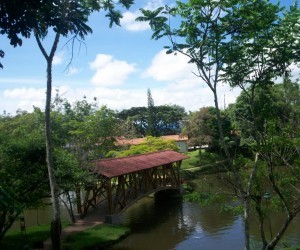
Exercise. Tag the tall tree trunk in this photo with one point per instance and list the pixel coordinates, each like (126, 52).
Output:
(56, 222)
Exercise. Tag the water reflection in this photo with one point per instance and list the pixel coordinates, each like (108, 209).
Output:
(174, 224)
(41, 216)
(171, 223)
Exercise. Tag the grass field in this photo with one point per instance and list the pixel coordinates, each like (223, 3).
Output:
(190, 162)
(99, 236)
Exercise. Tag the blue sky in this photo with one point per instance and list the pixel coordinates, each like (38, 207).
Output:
(117, 65)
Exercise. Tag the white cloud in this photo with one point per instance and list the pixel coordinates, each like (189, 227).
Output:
(72, 71)
(22, 98)
(173, 83)
(58, 59)
(109, 71)
(191, 96)
(22, 81)
(154, 4)
(128, 20)
(170, 67)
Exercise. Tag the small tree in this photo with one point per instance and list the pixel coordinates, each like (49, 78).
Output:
(277, 125)
(23, 175)
(151, 118)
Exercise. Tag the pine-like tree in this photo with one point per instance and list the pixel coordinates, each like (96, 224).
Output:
(151, 129)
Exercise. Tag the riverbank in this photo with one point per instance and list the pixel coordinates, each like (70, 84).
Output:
(98, 237)
(85, 233)
(90, 232)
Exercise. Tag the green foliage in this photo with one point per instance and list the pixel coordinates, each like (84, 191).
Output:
(203, 198)
(151, 144)
(246, 44)
(137, 117)
(80, 132)
(20, 18)
(229, 208)
(88, 131)
(23, 174)
(191, 161)
(10, 209)
(167, 120)
(201, 127)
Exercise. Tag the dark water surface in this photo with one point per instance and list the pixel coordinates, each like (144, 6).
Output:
(175, 224)
(171, 223)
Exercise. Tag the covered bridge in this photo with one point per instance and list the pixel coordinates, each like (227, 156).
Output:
(124, 180)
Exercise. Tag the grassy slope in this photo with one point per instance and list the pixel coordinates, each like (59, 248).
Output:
(190, 162)
(100, 236)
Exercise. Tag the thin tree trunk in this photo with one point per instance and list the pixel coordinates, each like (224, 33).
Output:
(244, 196)
(68, 206)
(272, 244)
(56, 222)
(261, 218)
(246, 223)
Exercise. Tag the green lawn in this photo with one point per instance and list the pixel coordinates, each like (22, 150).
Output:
(15, 240)
(101, 235)
(206, 163)
(190, 162)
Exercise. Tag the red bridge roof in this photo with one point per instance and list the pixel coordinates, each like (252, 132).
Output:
(124, 165)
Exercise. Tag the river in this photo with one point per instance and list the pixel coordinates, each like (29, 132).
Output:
(171, 223)
(176, 224)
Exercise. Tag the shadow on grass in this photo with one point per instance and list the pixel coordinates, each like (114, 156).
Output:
(35, 236)
(98, 237)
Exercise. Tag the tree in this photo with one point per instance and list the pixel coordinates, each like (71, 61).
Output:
(208, 32)
(260, 59)
(168, 119)
(137, 117)
(65, 17)
(82, 132)
(23, 175)
(70, 176)
(151, 118)
(276, 110)
(201, 127)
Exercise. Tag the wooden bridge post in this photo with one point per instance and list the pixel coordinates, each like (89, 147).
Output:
(178, 164)
(109, 196)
